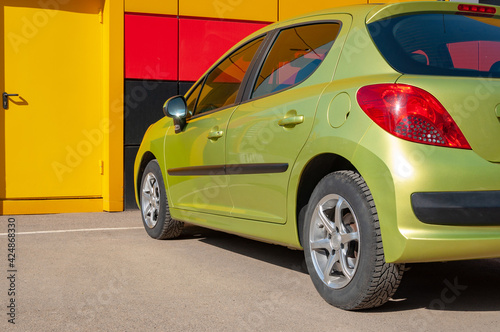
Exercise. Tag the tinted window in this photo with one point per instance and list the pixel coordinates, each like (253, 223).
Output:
(440, 44)
(192, 99)
(295, 54)
(222, 84)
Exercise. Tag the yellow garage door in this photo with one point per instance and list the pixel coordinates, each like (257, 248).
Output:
(51, 130)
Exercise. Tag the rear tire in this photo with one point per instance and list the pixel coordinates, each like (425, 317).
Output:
(343, 245)
(154, 205)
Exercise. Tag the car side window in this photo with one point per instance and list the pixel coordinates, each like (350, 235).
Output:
(222, 84)
(295, 54)
(192, 99)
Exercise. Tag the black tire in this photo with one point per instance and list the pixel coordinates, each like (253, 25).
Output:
(154, 205)
(342, 240)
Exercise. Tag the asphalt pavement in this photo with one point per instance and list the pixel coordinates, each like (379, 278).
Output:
(101, 272)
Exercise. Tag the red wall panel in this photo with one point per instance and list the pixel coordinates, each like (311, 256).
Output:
(151, 47)
(203, 41)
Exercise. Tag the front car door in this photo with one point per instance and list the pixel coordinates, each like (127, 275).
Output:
(195, 158)
(267, 132)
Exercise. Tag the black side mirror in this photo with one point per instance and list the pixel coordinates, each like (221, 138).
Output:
(176, 109)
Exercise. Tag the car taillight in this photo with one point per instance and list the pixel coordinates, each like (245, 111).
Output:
(411, 113)
(477, 9)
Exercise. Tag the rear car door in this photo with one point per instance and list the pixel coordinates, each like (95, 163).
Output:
(268, 130)
(195, 158)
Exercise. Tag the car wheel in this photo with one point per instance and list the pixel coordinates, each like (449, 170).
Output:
(343, 245)
(154, 205)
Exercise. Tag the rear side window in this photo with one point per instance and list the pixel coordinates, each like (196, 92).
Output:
(223, 82)
(440, 44)
(295, 54)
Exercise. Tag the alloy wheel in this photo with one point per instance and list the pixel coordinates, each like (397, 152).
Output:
(334, 241)
(150, 200)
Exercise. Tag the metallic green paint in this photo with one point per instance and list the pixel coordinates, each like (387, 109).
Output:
(264, 207)
(193, 147)
(471, 102)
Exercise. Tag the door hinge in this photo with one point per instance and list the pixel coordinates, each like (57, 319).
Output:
(101, 15)
(101, 166)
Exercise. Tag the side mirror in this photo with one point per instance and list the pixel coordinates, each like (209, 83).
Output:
(176, 109)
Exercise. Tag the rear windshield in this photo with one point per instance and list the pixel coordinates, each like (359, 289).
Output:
(440, 44)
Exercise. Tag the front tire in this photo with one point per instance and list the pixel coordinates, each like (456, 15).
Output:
(154, 205)
(343, 245)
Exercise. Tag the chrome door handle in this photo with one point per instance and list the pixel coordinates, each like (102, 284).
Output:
(5, 97)
(291, 121)
(215, 134)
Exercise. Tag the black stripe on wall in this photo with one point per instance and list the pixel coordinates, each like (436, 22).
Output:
(143, 106)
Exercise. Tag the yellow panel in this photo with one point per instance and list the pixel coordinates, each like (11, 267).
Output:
(50, 206)
(53, 137)
(168, 7)
(290, 8)
(113, 106)
(255, 10)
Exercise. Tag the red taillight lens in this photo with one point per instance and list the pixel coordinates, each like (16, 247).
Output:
(477, 9)
(412, 114)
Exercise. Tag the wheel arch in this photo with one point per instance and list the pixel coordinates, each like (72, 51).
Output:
(146, 158)
(316, 169)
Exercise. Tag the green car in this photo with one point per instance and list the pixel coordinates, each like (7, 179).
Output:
(368, 136)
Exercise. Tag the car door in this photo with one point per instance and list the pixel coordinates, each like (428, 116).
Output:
(267, 131)
(195, 157)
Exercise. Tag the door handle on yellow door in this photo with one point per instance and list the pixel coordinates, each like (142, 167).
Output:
(215, 134)
(5, 97)
(291, 121)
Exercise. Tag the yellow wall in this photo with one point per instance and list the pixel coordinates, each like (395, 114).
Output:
(167, 7)
(290, 8)
(254, 10)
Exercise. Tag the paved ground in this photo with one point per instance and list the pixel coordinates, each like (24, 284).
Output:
(118, 279)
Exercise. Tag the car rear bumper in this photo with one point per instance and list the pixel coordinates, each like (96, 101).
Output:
(473, 208)
(433, 203)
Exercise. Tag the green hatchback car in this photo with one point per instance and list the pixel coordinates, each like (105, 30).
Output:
(368, 136)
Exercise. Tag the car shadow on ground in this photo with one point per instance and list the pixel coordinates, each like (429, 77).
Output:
(273, 254)
(471, 285)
